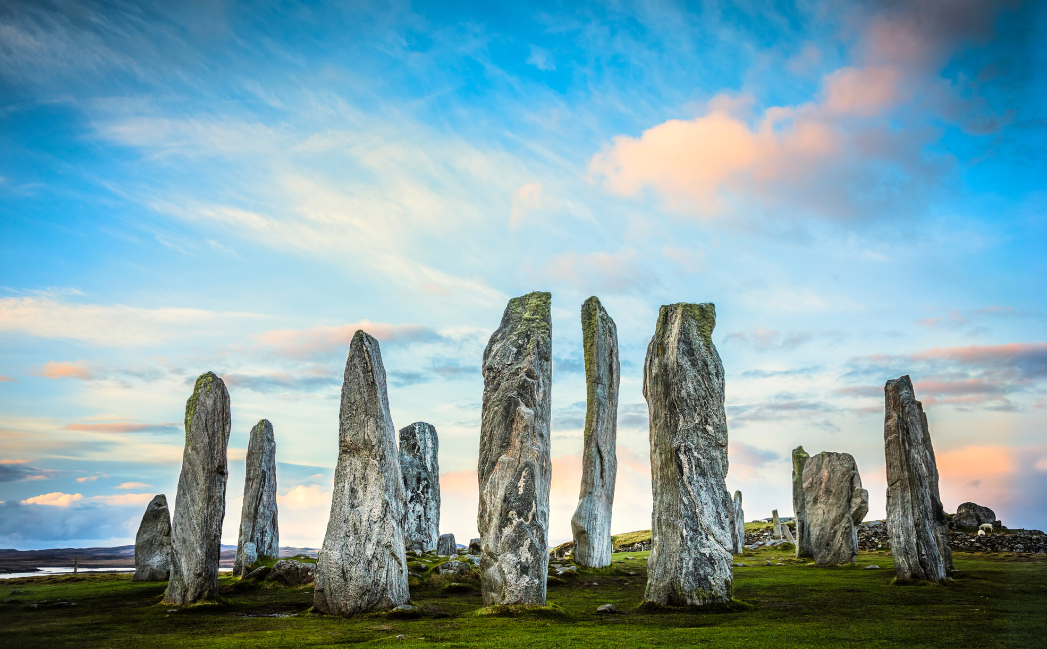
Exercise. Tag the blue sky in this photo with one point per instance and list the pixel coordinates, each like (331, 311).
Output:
(238, 187)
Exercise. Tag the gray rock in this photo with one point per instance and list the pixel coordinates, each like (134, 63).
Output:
(445, 546)
(514, 464)
(291, 572)
(834, 503)
(474, 546)
(153, 542)
(916, 522)
(591, 523)
(871, 568)
(249, 556)
(739, 524)
(776, 525)
(972, 515)
(362, 566)
(258, 574)
(690, 562)
(803, 539)
(196, 530)
(453, 568)
(420, 465)
(788, 534)
(258, 518)
(607, 609)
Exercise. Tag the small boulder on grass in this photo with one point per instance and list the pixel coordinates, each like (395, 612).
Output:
(607, 609)
(258, 574)
(291, 573)
(453, 568)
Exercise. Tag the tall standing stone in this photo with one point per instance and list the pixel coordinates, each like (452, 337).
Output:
(835, 503)
(916, 522)
(196, 531)
(420, 465)
(739, 524)
(690, 562)
(362, 565)
(153, 542)
(803, 540)
(258, 518)
(514, 464)
(446, 546)
(776, 524)
(591, 523)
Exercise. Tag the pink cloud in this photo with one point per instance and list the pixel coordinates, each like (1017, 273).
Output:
(53, 499)
(301, 343)
(120, 427)
(6, 379)
(65, 370)
(987, 354)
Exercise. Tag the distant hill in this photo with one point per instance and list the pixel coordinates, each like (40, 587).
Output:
(119, 557)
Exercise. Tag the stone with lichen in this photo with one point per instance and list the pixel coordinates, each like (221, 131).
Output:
(153, 542)
(258, 516)
(803, 541)
(420, 465)
(834, 505)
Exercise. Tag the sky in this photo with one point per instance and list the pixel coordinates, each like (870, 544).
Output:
(238, 187)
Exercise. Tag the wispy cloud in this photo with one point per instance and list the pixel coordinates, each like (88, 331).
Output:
(124, 427)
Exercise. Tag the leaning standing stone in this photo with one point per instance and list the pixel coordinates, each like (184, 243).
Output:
(196, 532)
(258, 518)
(916, 522)
(803, 541)
(690, 562)
(514, 464)
(591, 524)
(153, 542)
(420, 465)
(739, 524)
(446, 547)
(835, 503)
(362, 565)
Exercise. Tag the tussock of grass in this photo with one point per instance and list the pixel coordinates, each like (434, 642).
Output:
(549, 611)
(733, 606)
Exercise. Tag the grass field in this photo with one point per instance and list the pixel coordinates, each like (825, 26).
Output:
(996, 601)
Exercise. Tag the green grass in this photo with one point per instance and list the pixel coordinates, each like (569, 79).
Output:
(997, 600)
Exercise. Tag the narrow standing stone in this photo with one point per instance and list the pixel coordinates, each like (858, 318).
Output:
(916, 522)
(420, 465)
(446, 547)
(258, 518)
(835, 503)
(362, 565)
(153, 542)
(776, 524)
(514, 464)
(690, 564)
(739, 524)
(591, 523)
(803, 539)
(196, 532)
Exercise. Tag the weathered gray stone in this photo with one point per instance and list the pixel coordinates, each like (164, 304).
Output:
(362, 565)
(196, 530)
(474, 546)
(153, 542)
(835, 504)
(787, 534)
(514, 464)
(591, 523)
(972, 515)
(690, 562)
(607, 609)
(420, 465)
(776, 525)
(258, 517)
(249, 557)
(446, 546)
(453, 568)
(258, 574)
(803, 539)
(739, 524)
(916, 522)
(291, 572)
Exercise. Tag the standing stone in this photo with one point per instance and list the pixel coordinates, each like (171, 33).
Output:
(591, 523)
(475, 547)
(690, 563)
(776, 525)
(803, 540)
(196, 532)
(446, 547)
(514, 467)
(835, 503)
(153, 542)
(362, 565)
(739, 524)
(916, 522)
(249, 556)
(420, 465)
(258, 518)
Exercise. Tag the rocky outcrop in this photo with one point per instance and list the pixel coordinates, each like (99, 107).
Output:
(916, 520)
(362, 565)
(453, 568)
(972, 515)
(420, 465)
(446, 546)
(803, 540)
(591, 523)
(258, 518)
(835, 504)
(690, 562)
(514, 465)
(739, 524)
(291, 573)
(153, 542)
(474, 547)
(196, 531)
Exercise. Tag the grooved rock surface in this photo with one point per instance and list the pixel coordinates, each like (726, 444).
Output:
(362, 565)
(420, 465)
(803, 539)
(835, 504)
(446, 546)
(690, 562)
(972, 515)
(916, 521)
(153, 542)
(739, 524)
(291, 573)
(591, 523)
(196, 531)
(258, 518)
(514, 468)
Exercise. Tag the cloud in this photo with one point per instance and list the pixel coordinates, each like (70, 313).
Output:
(768, 339)
(783, 406)
(280, 382)
(769, 374)
(541, 59)
(526, 199)
(742, 453)
(88, 478)
(124, 427)
(53, 499)
(64, 370)
(599, 272)
(126, 499)
(133, 485)
(322, 341)
(19, 471)
(7, 379)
